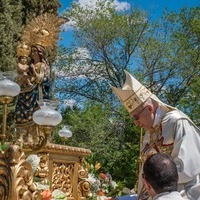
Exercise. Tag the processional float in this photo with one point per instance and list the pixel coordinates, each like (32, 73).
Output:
(29, 161)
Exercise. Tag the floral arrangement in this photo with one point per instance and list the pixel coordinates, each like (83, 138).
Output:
(102, 185)
(55, 195)
(42, 186)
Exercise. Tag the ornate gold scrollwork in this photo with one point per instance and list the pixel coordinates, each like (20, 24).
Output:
(5, 178)
(62, 177)
(42, 170)
(21, 175)
(83, 184)
(34, 137)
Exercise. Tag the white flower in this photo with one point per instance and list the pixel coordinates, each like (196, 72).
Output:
(101, 197)
(91, 178)
(41, 186)
(114, 184)
(126, 190)
(58, 194)
(34, 160)
(94, 182)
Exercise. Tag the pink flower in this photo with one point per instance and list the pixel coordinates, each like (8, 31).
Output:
(46, 195)
(102, 175)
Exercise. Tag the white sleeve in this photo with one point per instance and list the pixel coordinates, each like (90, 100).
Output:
(186, 151)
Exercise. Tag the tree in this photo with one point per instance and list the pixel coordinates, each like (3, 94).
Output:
(108, 136)
(185, 37)
(170, 60)
(105, 42)
(10, 27)
(34, 8)
(13, 16)
(162, 54)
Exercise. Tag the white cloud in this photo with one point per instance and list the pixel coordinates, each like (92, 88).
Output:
(69, 25)
(92, 4)
(80, 67)
(119, 6)
(69, 103)
(81, 53)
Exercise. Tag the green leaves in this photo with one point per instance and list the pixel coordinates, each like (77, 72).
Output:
(110, 136)
(111, 39)
(13, 16)
(10, 27)
(163, 54)
(4, 146)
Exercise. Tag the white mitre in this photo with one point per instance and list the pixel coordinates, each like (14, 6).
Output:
(133, 94)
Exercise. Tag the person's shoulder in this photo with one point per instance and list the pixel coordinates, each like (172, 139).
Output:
(175, 115)
(169, 196)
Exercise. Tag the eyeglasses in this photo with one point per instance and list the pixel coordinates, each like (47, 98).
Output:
(136, 117)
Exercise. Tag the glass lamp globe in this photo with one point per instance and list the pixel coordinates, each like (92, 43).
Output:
(65, 132)
(47, 115)
(7, 86)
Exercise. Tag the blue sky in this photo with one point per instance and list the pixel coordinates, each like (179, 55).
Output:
(154, 8)
(150, 5)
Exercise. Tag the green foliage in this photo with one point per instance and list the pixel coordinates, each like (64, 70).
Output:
(164, 55)
(10, 27)
(4, 146)
(13, 16)
(37, 7)
(169, 59)
(190, 103)
(184, 41)
(124, 167)
(111, 137)
(104, 43)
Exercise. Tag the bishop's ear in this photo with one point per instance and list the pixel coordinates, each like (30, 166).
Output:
(150, 108)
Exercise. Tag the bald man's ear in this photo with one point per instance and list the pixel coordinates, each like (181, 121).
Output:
(149, 188)
(146, 184)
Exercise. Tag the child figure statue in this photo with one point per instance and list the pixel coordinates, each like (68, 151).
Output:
(24, 78)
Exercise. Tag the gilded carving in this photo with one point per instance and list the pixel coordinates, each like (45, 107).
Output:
(83, 184)
(5, 178)
(62, 177)
(16, 176)
(33, 136)
(16, 173)
(42, 170)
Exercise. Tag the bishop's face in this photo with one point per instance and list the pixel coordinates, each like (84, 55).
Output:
(143, 116)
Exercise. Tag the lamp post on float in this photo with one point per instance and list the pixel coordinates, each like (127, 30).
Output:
(8, 90)
(65, 133)
(46, 118)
